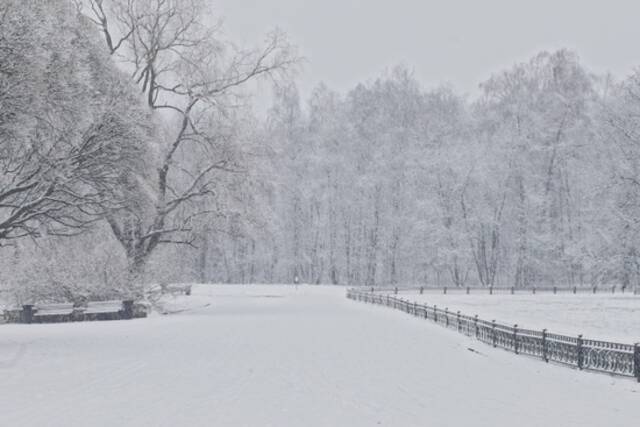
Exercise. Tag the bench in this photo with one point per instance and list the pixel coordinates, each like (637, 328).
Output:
(47, 313)
(176, 289)
(105, 310)
(12, 315)
(68, 312)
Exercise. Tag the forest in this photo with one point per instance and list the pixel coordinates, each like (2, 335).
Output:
(131, 153)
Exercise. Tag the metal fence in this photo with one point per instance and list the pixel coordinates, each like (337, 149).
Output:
(513, 290)
(603, 356)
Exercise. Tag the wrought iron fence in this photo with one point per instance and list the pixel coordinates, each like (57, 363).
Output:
(603, 356)
(513, 290)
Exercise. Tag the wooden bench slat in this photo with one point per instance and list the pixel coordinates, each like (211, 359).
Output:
(52, 312)
(103, 307)
(53, 306)
(53, 309)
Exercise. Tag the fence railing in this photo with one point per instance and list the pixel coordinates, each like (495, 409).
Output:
(513, 290)
(603, 356)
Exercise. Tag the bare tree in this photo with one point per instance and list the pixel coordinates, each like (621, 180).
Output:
(193, 81)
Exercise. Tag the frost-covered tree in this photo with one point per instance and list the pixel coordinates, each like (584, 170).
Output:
(192, 80)
(70, 132)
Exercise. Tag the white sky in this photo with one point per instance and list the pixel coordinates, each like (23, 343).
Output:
(460, 42)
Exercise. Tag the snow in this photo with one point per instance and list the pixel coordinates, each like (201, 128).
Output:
(281, 356)
(601, 316)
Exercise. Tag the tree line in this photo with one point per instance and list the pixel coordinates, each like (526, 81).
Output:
(130, 154)
(533, 182)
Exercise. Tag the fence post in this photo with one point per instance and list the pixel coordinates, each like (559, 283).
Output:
(490, 290)
(27, 313)
(544, 346)
(445, 290)
(395, 290)
(468, 290)
(515, 338)
(446, 317)
(415, 308)
(435, 313)
(493, 333)
(579, 349)
(475, 323)
(458, 321)
(421, 290)
(595, 289)
(636, 361)
(575, 289)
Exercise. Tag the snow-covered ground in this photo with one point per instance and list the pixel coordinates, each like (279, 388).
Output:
(601, 316)
(280, 356)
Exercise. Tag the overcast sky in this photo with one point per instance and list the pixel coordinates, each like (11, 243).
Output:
(460, 42)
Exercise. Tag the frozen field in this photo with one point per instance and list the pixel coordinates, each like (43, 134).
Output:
(601, 316)
(277, 356)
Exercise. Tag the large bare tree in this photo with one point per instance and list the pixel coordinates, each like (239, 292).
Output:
(193, 81)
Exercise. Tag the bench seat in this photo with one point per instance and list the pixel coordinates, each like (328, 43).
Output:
(103, 307)
(176, 289)
(54, 312)
(104, 310)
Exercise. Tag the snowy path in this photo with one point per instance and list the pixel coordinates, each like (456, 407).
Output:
(273, 356)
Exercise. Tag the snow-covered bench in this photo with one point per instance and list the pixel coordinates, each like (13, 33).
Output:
(12, 315)
(68, 312)
(107, 310)
(175, 289)
(43, 313)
